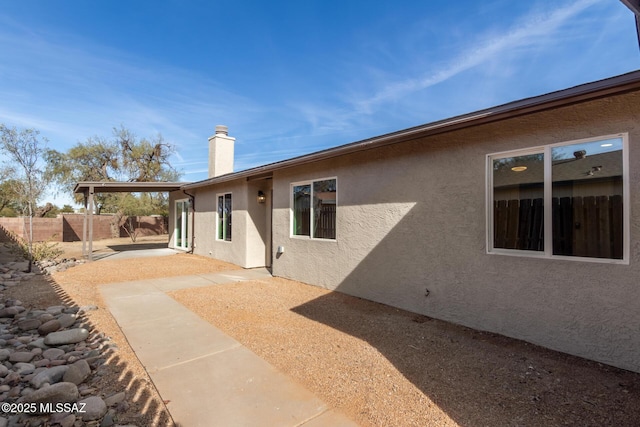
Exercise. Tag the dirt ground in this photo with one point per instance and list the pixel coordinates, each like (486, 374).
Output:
(378, 365)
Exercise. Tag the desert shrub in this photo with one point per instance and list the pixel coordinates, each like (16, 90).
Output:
(39, 250)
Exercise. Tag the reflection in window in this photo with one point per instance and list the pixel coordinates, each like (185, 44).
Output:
(224, 217)
(324, 209)
(518, 202)
(314, 209)
(587, 190)
(301, 210)
(565, 200)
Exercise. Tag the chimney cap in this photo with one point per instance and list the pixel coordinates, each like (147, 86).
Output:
(222, 129)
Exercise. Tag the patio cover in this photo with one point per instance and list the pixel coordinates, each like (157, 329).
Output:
(89, 188)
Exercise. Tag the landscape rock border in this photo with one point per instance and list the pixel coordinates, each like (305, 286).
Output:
(51, 359)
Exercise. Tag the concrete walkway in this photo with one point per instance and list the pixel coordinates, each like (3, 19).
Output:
(208, 378)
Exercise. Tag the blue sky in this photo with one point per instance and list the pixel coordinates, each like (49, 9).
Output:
(289, 78)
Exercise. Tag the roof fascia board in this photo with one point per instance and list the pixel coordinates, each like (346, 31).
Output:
(585, 92)
(121, 187)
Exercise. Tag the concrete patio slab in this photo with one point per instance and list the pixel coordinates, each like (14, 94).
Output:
(208, 378)
(239, 389)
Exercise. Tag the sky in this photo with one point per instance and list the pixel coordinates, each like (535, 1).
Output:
(289, 77)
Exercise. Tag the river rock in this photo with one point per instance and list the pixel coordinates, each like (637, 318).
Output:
(28, 324)
(49, 375)
(56, 393)
(77, 372)
(24, 368)
(70, 336)
(21, 356)
(50, 326)
(53, 353)
(95, 408)
(66, 320)
(114, 399)
(9, 311)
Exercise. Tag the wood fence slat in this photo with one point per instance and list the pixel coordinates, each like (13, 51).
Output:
(604, 227)
(582, 226)
(512, 224)
(578, 227)
(616, 227)
(591, 226)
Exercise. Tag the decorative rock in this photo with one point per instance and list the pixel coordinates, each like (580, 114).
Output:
(50, 376)
(114, 399)
(53, 353)
(45, 317)
(28, 324)
(50, 326)
(67, 320)
(9, 312)
(63, 419)
(69, 336)
(3, 371)
(77, 372)
(94, 408)
(109, 419)
(56, 393)
(39, 343)
(24, 368)
(42, 363)
(4, 354)
(21, 356)
(55, 309)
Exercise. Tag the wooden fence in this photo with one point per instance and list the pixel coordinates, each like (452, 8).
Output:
(325, 223)
(582, 226)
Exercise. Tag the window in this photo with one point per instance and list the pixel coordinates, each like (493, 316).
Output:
(313, 209)
(566, 200)
(224, 217)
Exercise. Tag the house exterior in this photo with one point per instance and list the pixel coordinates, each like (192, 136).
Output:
(522, 220)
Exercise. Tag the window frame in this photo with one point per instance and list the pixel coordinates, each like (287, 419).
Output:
(292, 213)
(547, 253)
(224, 218)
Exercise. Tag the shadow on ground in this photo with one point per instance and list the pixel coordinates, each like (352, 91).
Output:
(478, 377)
(137, 246)
(141, 406)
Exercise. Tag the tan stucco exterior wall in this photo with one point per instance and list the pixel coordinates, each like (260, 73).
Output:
(411, 221)
(247, 247)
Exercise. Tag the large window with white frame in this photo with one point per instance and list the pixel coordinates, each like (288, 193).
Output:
(314, 208)
(224, 217)
(568, 200)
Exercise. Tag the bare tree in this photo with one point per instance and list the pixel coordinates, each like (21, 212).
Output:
(24, 149)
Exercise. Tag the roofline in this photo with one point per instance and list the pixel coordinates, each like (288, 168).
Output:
(589, 91)
(124, 187)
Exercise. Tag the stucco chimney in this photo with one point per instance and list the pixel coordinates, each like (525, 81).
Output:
(220, 152)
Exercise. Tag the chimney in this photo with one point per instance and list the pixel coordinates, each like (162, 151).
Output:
(220, 152)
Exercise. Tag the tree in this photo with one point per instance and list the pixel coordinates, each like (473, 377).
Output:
(24, 149)
(124, 157)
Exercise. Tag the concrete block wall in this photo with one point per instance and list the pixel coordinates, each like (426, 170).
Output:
(68, 227)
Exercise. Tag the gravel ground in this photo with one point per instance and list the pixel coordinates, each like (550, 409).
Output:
(379, 365)
(386, 367)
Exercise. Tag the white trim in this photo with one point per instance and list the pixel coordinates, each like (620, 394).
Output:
(547, 253)
(184, 226)
(310, 183)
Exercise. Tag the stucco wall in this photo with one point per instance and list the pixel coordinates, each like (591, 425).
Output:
(249, 237)
(411, 218)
